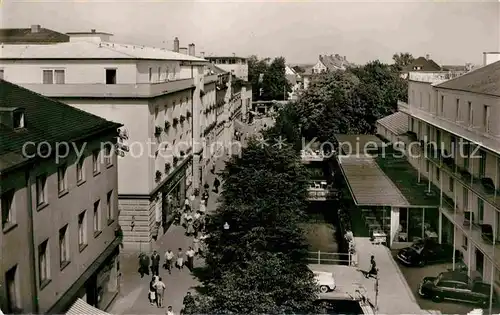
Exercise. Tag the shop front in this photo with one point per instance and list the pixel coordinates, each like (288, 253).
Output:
(417, 223)
(173, 193)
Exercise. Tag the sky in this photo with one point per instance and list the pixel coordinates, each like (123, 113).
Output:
(451, 32)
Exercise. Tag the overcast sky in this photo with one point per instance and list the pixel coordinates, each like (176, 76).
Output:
(452, 32)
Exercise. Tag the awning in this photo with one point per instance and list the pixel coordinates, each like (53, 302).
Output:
(82, 307)
(368, 184)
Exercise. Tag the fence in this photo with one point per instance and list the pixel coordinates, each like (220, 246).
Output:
(325, 258)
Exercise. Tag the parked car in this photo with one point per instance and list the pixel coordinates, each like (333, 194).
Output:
(325, 281)
(427, 251)
(455, 286)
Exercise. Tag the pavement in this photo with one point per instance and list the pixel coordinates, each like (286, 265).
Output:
(133, 297)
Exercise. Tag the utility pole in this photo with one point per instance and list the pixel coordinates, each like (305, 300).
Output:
(376, 293)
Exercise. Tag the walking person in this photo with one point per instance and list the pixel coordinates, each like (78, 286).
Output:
(170, 311)
(196, 244)
(169, 260)
(180, 259)
(189, 224)
(190, 258)
(155, 263)
(160, 290)
(143, 264)
(119, 234)
(188, 303)
(216, 185)
(373, 268)
(152, 291)
(203, 207)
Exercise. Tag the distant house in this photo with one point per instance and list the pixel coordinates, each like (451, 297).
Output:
(33, 35)
(330, 63)
(422, 64)
(295, 81)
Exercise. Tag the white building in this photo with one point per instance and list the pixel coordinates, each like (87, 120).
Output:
(155, 93)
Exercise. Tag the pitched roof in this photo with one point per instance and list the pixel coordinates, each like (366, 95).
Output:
(484, 80)
(333, 62)
(91, 50)
(26, 36)
(45, 120)
(216, 70)
(397, 123)
(424, 64)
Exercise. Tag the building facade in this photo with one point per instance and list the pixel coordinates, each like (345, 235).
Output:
(237, 66)
(153, 91)
(459, 115)
(59, 208)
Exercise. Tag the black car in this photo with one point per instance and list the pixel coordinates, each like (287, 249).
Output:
(427, 251)
(456, 286)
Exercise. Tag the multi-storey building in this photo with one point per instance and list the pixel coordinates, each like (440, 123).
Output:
(459, 116)
(154, 92)
(59, 205)
(235, 65)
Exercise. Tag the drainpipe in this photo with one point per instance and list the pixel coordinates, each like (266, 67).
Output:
(31, 251)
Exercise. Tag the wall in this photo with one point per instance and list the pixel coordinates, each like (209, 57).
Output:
(167, 70)
(76, 72)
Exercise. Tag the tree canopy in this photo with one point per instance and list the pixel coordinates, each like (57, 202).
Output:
(270, 77)
(262, 257)
(401, 60)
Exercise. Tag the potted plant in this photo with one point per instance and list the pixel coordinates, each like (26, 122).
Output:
(168, 166)
(176, 160)
(158, 176)
(167, 125)
(158, 131)
(183, 118)
(188, 114)
(175, 122)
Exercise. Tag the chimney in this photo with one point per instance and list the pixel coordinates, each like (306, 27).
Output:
(176, 45)
(427, 57)
(345, 58)
(183, 50)
(92, 31)
(191, 50)
(202, 54)
(319, 57)
(35, 28)
(234, 55)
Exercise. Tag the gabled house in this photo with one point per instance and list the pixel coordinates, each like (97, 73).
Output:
(330, 63)
(423, 64)
(33, 35)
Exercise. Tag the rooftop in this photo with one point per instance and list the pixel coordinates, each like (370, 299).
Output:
(423, 64)
(359, 144)
(214, 69)
(45, 120)
(333, 62)
(91, 50)
(224, 57)
(397, 123)
(484, 80)
(33, 35)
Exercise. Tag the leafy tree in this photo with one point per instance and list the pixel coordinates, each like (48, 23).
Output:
(286, 126)
(401, 60)
(275, 84)
(299, 69)
(256, 68)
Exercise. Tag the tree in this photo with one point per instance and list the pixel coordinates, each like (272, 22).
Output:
(275, 84)
(299, 69)
(401, 60)
(286, 126)
(256, 69)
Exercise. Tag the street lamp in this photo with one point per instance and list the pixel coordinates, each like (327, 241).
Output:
(226, 226)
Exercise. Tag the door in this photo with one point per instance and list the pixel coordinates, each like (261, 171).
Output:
(165, 210)
(479, 262)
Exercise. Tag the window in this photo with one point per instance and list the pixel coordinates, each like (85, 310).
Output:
(465, 196)
(420, 99)
(109, 206)
(457, 110)
(7, 209)
(80, 172)
(441, 110)
(486, 118)
(412, 96)
(61, 179)
(97, 217)
(95, 162)
(1, 73)
(469, 113)
(107, 155)
(13, 293)
(429, 104)
(159, 74)
(53, 76)
(110, 76)
(41, 190)
(44, 263)
(465, 242)
(480, 209)
(18, 120)
(482, 164)
(466, 155)
(438, 174)
(63, 247)
(82, 230)
(427, 166)
(451, 184)
(150, 74)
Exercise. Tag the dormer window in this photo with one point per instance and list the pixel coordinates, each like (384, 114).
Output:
(18, 120)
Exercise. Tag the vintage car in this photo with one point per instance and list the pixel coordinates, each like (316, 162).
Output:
(325, 281)
(456, 286)
(427, 251)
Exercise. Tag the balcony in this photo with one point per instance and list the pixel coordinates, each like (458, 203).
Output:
(434, 77)
(321, 191)
(473, 232)
(139, 90)
(211, 79)
(475, 136)
(312, 156)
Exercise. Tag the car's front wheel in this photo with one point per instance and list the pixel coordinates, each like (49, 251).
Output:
(324, 289)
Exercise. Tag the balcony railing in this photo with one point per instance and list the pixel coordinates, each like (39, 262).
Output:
(311, 156)
(322, 194)
(140, 90)
(325, 258)
(434, 76)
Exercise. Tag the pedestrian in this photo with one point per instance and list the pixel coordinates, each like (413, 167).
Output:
(203, 207)
(170, 311)
(143, 264)
(160, 290)
(180, 259)
(152, 291)
(373, 268)
(196, 244)
(216, 185)
(190, 258)
(192, 197)
(188, 303)
(189, 224)
(155, 263)
(119, 234)
(186, 204)
(169, 259)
